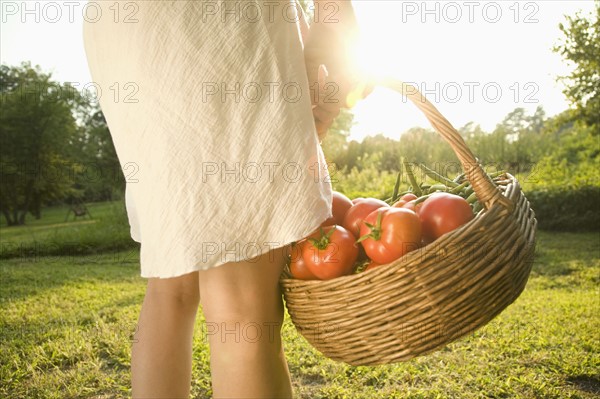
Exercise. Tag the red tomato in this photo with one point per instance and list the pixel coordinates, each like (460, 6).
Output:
(405, 200)
(394, 232)
(297, 265)
(355, 200)
(442, 213)
(359, 211)
(399, 204)
(330, 252)
(340, 206)
(418, 208)
(409, 205)
(409, 197)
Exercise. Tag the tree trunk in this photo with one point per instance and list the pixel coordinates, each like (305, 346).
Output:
(21, 220)
(37, 205)
(9, 220)
(25, 209)
(15, 217)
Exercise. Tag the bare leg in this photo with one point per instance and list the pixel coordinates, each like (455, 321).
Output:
(161, 355)
(243, 308)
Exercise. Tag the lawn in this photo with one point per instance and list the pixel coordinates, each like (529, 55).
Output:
(67, 322)
(107, 229)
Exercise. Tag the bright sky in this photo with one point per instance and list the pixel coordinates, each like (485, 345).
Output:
(476, 60)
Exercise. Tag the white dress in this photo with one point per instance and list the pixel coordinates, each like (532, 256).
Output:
(209, 109)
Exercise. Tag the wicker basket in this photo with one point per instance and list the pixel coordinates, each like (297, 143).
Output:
(431, 296)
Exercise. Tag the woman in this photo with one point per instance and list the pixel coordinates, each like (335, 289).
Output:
(217, 110)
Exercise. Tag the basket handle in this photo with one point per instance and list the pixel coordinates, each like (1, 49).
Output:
(486, 191)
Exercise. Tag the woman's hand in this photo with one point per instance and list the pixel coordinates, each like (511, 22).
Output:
(330, 69)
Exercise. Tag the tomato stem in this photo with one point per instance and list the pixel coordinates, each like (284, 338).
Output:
(375, 229)
(323, 241)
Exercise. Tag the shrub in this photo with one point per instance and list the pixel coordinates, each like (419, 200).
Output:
(566, 208)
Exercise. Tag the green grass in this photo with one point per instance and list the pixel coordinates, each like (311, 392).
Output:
(106, 230)
(56, 214)
(67, 323)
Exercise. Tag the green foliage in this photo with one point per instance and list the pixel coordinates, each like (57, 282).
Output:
(563, 186)
(335, 146)
(101, 177)
(36, 123)
(370, 181)
(580, 47)
(566, 208)
(515, 143)
(55, 145)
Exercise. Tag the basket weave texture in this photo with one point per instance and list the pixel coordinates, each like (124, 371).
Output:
(433, 295)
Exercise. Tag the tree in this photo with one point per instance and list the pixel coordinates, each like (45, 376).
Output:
(93, 151)
(35, 124)
(335, 143)
(580, 46)
(470, 131)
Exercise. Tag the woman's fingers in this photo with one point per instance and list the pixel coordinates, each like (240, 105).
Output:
(325, 115)
(335, 93)
(322, 75)
(324, 119)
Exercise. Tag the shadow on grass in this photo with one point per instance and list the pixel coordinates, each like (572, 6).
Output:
(586, 383)
(565, 253)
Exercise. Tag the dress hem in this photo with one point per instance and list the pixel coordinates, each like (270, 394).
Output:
(262, 252)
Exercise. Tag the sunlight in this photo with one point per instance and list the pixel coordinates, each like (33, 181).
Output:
(374, 57)
(474, 66)
(382, 51)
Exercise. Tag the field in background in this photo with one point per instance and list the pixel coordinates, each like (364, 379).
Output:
(106, 230)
